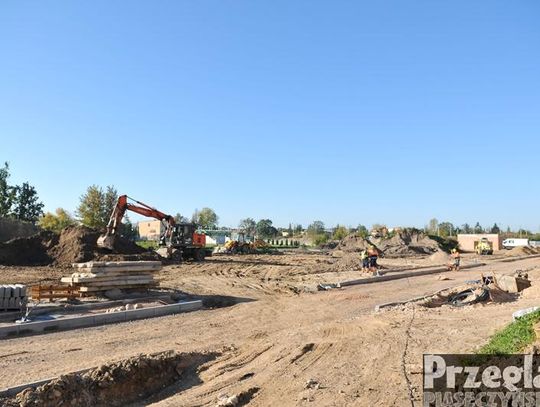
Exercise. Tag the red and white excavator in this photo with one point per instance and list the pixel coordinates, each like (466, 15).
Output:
(178, 238)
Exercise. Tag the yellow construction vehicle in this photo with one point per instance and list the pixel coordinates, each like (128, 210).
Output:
(484, 247)
(239, 244)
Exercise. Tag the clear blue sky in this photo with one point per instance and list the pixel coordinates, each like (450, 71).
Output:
(345, 111)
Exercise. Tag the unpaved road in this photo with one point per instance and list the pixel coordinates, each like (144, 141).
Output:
(276, 343)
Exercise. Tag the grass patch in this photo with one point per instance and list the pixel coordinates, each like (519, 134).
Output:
(148, 244)
(514, 338)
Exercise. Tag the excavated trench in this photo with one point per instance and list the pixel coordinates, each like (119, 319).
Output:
(119, 383)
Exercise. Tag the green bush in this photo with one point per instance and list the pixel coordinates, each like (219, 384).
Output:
(320, 239)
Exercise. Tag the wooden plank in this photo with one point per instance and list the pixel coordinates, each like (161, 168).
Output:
(112, 274)
(151, 265)
(104, 279)
(51, 292)
(117, 283)
(99, 270)
(105, 288)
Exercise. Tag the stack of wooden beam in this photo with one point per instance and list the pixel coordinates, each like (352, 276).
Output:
(96, 276)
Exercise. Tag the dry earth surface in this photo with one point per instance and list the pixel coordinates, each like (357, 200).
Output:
(283, 343)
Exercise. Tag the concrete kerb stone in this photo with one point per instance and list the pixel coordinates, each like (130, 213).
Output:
(399, 276)
(85, 321)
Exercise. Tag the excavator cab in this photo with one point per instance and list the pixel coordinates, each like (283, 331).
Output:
(182, 234)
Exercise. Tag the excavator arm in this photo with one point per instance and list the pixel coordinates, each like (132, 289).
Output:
(122, 205)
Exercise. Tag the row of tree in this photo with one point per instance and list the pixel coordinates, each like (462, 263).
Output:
(95, 208)
(446, 229)
(96, 204)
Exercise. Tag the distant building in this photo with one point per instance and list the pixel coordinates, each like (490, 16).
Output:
(468, 242)
(150, 229)
(217, 236)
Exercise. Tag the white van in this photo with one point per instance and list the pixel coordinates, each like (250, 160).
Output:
(510, 243)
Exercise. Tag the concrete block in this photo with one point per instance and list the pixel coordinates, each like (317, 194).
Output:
(78, 322)
(166, 310)
(190, 305)
(511, 284)
(43, 326)
(7, 331)
(110, 317)
(140, 313)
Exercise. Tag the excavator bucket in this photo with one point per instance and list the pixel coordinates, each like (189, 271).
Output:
(106, 241)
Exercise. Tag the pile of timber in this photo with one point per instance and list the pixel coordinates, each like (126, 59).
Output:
(97, 276)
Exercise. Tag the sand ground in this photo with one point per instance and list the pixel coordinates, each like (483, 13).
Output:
(282, 333)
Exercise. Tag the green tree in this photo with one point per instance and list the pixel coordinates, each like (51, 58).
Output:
(178, 218)
(129, 230)
(249, 226)
(466, 228)
(478, 229)
(298, 229)
(340, 232)
(27, 206)
(362, 231)
(316, 228)
(290, 230)
(57, 221)
(206, 218)
(495, 228)
(7, 192)
(321, 238)
(95, 206)
(446, 229)
(264, 228)
(433, 226)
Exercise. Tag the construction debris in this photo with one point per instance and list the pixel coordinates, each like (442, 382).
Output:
(12, 297)
(98, 277)
(512, 284)
(469, 296)
(497, 289)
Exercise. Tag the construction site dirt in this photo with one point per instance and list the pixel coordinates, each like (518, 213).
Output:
(74, 244)
(282, 338)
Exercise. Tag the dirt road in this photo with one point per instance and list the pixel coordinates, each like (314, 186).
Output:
(287, 346)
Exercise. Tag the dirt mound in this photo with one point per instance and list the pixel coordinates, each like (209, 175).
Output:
(439, 257)
(77, 244)
(407, 242)
(352, 243)
(114, 384)
(28, 251)
(521, 251)
(347, 262)
(74, 244)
